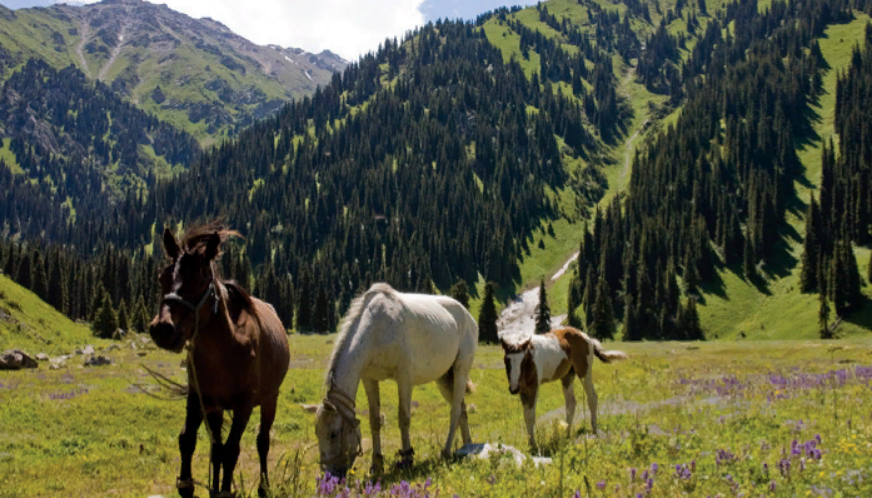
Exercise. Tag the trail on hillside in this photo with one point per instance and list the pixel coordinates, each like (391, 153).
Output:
(115, 51)
(81, 47)
(518, 319)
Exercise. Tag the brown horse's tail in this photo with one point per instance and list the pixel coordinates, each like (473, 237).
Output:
(607, 356)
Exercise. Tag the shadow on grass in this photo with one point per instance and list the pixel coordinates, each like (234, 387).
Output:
(862, 317)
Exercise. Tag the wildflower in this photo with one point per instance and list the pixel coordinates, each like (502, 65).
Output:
(577, 494)
(654, 468)
(633, 474)
(601, 485)
(772, 486)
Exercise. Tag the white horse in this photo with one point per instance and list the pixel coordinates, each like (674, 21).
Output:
(562, 354)
(413, 339)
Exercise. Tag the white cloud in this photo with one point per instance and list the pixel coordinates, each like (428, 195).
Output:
(349, 28)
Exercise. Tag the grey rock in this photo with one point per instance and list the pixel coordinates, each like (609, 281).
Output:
(98, 361)
(42, 357)
(16, 359)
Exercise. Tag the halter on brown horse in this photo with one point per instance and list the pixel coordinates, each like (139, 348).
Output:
(237, 352)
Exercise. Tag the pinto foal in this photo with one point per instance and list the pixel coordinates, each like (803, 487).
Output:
(561, 354)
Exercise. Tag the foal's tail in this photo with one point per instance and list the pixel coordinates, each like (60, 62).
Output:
(607, 356)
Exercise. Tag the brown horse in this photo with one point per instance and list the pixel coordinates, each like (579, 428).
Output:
(237, 352)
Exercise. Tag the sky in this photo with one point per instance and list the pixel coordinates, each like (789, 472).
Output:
(349, 28)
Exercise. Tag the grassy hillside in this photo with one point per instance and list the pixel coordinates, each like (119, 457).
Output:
(731, 307)
(28, 323)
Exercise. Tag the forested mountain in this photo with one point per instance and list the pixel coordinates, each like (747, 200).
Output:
(668, 143)
(195, 73)
(72, 148)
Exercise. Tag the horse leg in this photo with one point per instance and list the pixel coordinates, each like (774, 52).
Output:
(404, 390)
(528, 399)
(267, 417)
(569, 399)
(446, 387)
(216, 421)
(231, 447)
(591, 398)
(187, 445)
(372, 395)
(461, 368)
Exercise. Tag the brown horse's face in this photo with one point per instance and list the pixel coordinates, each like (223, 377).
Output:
(188, 276)
(515, 357)
(338, 440)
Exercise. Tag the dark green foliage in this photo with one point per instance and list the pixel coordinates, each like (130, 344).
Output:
(869, 270)
(543, 311)
(811, 249)
(603, 326)
(38, 277)
(25, 272)
(460, 292)
(105, 323)
(688, 322)
(304, 304)
(141, 318)
(824, 318)
(123, 317)
(487, 316)
(322, 319)
(57, 286)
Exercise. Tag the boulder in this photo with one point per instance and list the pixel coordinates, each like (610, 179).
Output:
(88, 350)
(98, 361)
(483, 451)
(16, 359)
(57, 365)
(42, 357)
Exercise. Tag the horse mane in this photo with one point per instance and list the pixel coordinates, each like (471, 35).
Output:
(238, 299)
(352, 317)
(196, 237)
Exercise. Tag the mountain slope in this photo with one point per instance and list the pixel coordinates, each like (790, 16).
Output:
(194, 73)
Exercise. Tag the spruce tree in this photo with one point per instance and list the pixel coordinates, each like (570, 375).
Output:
(10, 263)
(105, 323)
(304, 304)
(141, 317)
(749, 266)
(460, 292)
(322, 312)
(96, 300)
(543, 311)
(24, 274)
(487, 316)
(58, 295)
(603, 326)
(824, 318)
(631, 326)
(839, 285)
(123, 317)
(869, 270)
(38, 277)
(588, 298)
(855, 293)
(811, 250)
(692, 329)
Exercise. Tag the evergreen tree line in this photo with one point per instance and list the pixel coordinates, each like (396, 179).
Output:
(842, 216)
(712, 190)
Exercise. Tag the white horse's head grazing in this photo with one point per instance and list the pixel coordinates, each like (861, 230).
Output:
(338, 432)
(516, 358)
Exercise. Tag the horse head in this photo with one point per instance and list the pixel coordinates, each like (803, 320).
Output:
(187, 283)
(517, 357)
(339, 437)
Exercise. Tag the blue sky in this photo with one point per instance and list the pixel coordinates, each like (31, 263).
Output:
(349, 28)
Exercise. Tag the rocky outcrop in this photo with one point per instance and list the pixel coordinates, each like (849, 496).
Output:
(16, 359)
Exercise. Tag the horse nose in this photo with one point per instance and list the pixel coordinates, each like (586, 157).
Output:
(161, 332)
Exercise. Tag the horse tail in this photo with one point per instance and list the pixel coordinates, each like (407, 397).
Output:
(607, 356)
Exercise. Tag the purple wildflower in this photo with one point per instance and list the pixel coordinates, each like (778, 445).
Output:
(601, 485)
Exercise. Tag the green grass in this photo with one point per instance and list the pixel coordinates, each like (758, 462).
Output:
(659, 407)
(35, 326)
(9, 158)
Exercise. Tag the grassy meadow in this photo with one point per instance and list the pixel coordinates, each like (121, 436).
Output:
(755, 418)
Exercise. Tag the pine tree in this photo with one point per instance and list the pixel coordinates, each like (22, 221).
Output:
(38, 277)
(304, 304)
(58, 294)
(631, 326)
(123, 318)
(839, 285)
(96, 301)
(811, 250)
(869, 270)
(691, 275)
(588, 298)
(322, 312)
(543, 311)
(24, 272)
(855, 293)
(141, 317)
(105, 323)
(691, 327)
(824, 318)
(460, 292)
(487, 316)
(748, 262)
(10, 263)
(603, 326)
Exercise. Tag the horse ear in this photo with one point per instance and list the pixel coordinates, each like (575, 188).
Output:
(171, 245)
(503, 343)
(212, 246)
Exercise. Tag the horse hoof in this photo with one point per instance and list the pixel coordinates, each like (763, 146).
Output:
(185, 488)
(404, 464)
(378, 465)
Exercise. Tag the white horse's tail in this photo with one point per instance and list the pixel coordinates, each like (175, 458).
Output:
(607, 356)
